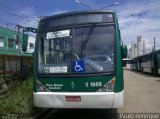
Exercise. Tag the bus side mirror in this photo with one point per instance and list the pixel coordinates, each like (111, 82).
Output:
(124, 51)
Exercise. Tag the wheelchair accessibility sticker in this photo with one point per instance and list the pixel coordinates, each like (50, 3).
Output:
(78, 66)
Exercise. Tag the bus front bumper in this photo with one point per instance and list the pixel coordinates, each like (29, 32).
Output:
(88, 100)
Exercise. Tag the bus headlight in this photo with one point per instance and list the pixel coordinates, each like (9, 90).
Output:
(41, 87)
(109, 86)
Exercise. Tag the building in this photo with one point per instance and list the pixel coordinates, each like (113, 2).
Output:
(139, 45)
(137, 49)
(11, 53)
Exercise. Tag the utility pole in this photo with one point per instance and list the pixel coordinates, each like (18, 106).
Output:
(21, 45)
(143, 47)
(154, 44)
(19, 50)
(153, 56)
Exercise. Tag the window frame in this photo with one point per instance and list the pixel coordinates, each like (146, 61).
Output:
(9, 39)
(2, 40)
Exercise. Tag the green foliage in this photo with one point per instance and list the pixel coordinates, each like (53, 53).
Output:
(6, 75)
(124, 51)
(20, 101)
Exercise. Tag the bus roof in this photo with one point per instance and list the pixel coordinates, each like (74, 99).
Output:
(77, 18)
(144, 55)
(77, 13)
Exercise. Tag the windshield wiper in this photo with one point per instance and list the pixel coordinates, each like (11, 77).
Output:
(60, 42)
(88, 36)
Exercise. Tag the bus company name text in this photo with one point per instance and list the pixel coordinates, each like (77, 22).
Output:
(54, 86)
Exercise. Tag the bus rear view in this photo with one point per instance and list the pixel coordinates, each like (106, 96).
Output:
(78, 61)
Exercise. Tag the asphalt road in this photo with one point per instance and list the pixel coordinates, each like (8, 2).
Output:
(142, 95)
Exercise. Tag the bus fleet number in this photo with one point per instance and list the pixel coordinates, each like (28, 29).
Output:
(93, 84)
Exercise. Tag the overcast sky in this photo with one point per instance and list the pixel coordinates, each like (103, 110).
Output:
(136, 17)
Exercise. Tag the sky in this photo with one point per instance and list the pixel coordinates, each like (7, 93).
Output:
(136, 17)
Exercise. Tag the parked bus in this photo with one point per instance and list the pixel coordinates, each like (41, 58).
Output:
(126, 63)
(149, 63)
(78, 61)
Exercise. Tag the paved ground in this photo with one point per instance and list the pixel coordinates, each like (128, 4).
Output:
(142, 95)
(142, 92)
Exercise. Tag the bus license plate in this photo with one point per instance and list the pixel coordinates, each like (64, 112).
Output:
(72, 98)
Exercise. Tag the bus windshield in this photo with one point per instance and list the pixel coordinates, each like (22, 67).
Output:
(88, 49)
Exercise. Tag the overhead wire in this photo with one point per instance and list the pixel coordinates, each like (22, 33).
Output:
(11, 11)
(140, 16)
(8, 12)
(29, 4)
(2, 22)
(8, 22)
(131, 18)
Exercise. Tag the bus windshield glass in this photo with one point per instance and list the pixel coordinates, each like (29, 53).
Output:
(88, 49)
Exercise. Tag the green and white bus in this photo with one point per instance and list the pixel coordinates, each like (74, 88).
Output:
(78, 61)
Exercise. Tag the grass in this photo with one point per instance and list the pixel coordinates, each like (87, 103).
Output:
(6, 75)
(20, 101)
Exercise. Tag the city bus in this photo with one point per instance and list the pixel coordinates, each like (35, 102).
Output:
(148, 63)
(78, 61)
(126, 63)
